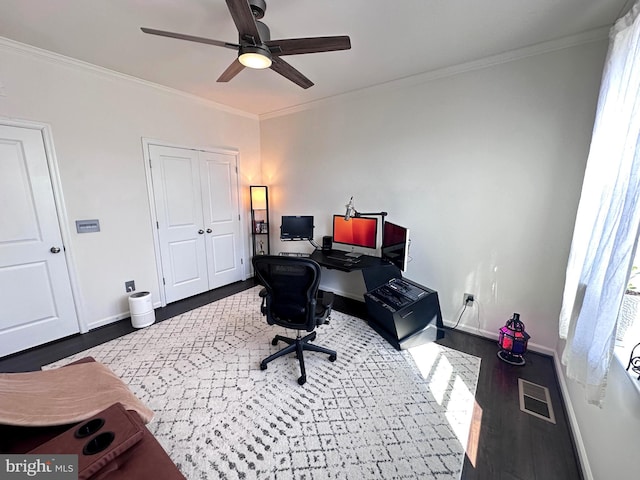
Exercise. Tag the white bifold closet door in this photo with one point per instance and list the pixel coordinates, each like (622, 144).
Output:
(196, 200)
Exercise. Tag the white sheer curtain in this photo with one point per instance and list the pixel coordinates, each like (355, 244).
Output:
(608, 216)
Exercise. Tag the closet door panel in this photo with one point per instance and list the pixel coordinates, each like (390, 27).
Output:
(221, 217)
(176, 184)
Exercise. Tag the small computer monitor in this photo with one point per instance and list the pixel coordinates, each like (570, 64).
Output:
(395, 245)
(357, 231)
(296, 227)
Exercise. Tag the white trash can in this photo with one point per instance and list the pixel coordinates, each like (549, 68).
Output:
(141, 308)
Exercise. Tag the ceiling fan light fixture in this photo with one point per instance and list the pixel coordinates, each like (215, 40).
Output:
(254, 47)
(255, 56)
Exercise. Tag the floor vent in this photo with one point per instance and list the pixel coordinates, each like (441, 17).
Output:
(535, 400)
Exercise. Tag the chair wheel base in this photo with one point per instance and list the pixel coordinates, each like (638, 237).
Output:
(302, 380)
(263, 366)
(332, 358)
(274, 341)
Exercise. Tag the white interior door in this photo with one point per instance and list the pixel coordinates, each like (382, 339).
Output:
(196, 199)
(176, 189)
(36, 301)
(221, 217)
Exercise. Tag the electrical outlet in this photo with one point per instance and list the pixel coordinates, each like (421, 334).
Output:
(130, 286)
(468, 299)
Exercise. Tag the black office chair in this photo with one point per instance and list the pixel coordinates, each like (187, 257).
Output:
(291, 299)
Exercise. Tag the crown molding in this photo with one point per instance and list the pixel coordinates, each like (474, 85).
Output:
(586, 37)
(12, 46)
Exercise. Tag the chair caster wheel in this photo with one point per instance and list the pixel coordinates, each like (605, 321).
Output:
(263, 366)
(274, 341)
(302, 380)
(332, 358)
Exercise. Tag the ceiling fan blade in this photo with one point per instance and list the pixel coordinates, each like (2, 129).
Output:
(243, 18)
(190, 38)
(297, 46)
(287, 71)
(232, 70)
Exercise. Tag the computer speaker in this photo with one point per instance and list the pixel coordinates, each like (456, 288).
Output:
(327, 243)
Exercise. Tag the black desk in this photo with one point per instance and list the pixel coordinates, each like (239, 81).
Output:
(409, 318)
(336, 259)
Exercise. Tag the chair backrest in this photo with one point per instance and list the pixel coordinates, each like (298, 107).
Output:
(292, 285)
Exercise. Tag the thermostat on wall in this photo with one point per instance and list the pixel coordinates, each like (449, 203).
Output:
(87, 226)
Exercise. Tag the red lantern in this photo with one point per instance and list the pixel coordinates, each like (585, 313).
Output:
(513, 341)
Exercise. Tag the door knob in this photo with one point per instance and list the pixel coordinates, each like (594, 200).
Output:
(209, 230)
(200, 231)
(54, 249)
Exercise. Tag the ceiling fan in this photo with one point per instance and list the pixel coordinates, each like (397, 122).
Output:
(255, 47)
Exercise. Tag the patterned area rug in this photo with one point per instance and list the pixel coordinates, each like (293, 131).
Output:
(375, 413)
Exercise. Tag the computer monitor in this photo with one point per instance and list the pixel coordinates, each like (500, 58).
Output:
(395, 245)
(296, 227)
(357, 231)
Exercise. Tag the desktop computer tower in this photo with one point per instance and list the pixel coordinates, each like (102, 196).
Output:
(405, 313)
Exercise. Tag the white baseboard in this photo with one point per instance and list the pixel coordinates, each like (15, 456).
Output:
(114, 318)
(342, 293)
(534, 347)
(107, 320)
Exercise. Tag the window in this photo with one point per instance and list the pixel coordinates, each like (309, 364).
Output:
(628, 331)
(608, 219)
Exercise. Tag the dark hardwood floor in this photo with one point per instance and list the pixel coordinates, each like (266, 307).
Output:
(513, 445)
(508, 444)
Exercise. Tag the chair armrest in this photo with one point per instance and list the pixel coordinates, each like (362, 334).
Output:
(263, 305)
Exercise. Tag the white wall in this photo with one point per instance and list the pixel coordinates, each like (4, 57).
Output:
(98, 120)
(484, 167)
(610, 433)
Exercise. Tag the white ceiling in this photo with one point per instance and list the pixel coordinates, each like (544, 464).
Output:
(391, 39)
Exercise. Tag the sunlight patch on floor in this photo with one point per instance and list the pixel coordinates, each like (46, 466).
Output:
(464, 421)
(458, 414)
(434, 366)
(474, 434)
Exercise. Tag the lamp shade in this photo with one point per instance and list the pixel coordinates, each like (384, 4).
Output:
(255, 56)
(258, 197)
(513, 341)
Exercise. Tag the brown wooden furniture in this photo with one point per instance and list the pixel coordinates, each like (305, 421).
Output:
(130, 450)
